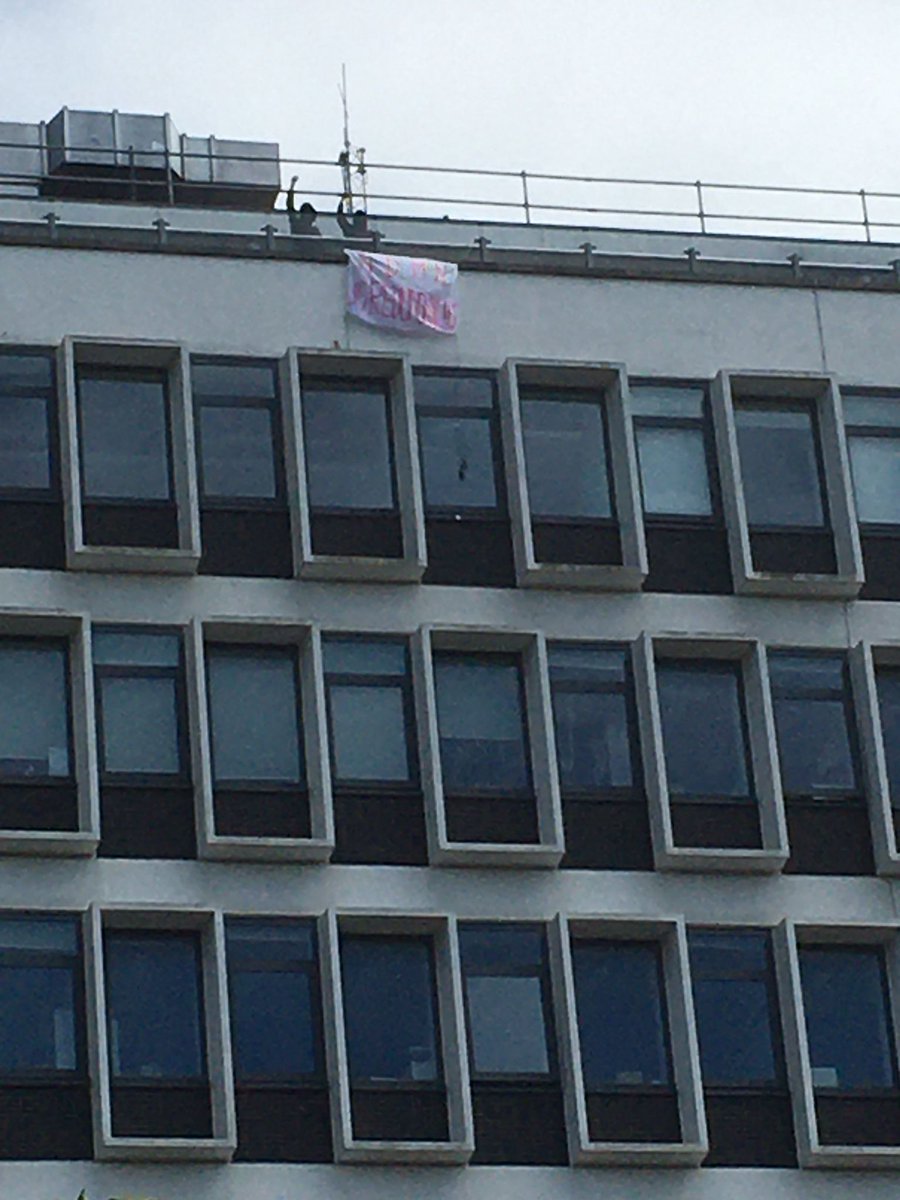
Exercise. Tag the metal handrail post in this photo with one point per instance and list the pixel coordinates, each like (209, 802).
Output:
(525, 198)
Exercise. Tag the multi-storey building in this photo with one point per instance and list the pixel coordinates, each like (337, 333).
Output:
(446, 765)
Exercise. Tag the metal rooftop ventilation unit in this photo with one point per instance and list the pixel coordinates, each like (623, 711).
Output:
(135, 156)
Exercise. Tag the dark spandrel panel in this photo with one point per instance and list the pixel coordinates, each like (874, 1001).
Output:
(38, 1032)
(142, 822)
(369, 737)
(492, 820)
(254, 718)
(238, 380)
(829, 838)
(46, 1121)
(674, 473)
(124, 439)
(469, 553)
(593, 744)
(154, 1006)
(522, 1126)
(247, 542)
(386, 829)
(262, 812)
(848, 1023)
(481, 725)
(888, 683)
(153, 1111)
(607, 835)
(140, 725)
(39, 806)
(24, 442)
(753, 1129)
(565, 457)
(881, 565)
(458, 462)
(32, 535)
(356, 535)
(621, 1014)
(237, 453)
(397, 1038)
(278, 1124)
(779, 465)
(348, 452)
(151, 525)
(875, 467)
(23, 372)
(685, 560)
(453, 391)
(399, 1115)
(273, 1025)
(731, 825)
(809, 553)
(703, 730)
(579, 542)
(633, 1116)
(34, 722)
(858, 1120)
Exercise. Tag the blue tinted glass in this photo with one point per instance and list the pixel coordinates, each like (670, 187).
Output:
(140, 725)
(586, 665)
(481, 724)
(733, 1002)
(272, 1024)
(875, 467)
(34, 724)
(24, 372)
(122, 649)
(486, 947)
(848, 1026)
(358, 657)
(454, 391)
(621, 1014)
(674, 475)
(881, 411)
(657, 400)
(779, 466)
(237, 452)
(238, 380)
(348, 455)
(592, 743)
(24, 441)
(251, 942)
(888, 679)
(457, 461)
(124, 442)
(565, 458)
(38, 981)
(814, 739)
(154, 1006)
(253, 715)
(368, 730)
(703, 735)
(389, 1009)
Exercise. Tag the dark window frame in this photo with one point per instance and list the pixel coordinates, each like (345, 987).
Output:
(63, 643)
(272, 404)
(542, 973)
(888, 432)
(500, 510)
(136, 374)
(49, 395)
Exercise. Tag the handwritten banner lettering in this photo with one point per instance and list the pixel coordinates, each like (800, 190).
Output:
(408, 295)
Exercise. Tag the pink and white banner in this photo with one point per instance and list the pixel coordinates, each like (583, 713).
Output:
(408, 295)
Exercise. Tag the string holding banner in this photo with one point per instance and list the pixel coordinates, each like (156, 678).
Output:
(408, 295)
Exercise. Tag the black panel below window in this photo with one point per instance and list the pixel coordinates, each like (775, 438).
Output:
(750, 1129)
(39, 806)
(881, 561)
(808, 553)
(583, 542)
(42, 1121)
(357, 535)
(380, 828)
(262, 813)
(147, 822)
(858, 1120)
(633, 1117)
(148, 525)
(32, 534)
(491, 819)
(607, 835)
(519, 1126)
(469, 552)
(172, 1111)
(394, 1114)
(827, 838)
(251, 542)
(716, 825)
(282, 1124)
(685, 559)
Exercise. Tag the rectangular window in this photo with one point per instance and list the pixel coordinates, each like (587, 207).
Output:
(887, 681)
(872, 422)
(623, 1032)
(374, 761)
(706, 745)
(462, 479)
(244, 515)
(256, 728)
(156, 1034)
(512, 1046)
(672, 434)
(817, 747)
(145, 795)
(44, 1091)
(276, 1036)
(393, 1038)
(604, 808)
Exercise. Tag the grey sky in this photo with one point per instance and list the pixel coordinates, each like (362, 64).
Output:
(769, 91)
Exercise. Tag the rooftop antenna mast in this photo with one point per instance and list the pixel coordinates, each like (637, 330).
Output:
(352, 162)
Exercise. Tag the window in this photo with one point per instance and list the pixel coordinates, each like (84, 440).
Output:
(604, 810)
(887, 681)
(258, 762)
(706, 745)
(374, 762)
(44, 1092)
(146, 798)
(512, 1048)
(671, 434)
(873, 439)
(566, 455)
(156, 1034)
(244, 517)
(827, 818)
(28, 442)
(276, 1036)
(748, 1109)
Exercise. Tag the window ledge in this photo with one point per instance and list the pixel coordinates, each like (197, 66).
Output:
(640, 1154)
(126, 1149)
(867, 1158)
(59, 843)
(735, 861)
(152, 560)
(266, 849)
(816, 587)
(497, 854)
(359, 568)
(596, 577)
(426, 1153)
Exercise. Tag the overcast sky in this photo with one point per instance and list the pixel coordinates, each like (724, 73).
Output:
(768, 91)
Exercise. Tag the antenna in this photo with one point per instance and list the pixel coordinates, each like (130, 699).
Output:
(348, 155)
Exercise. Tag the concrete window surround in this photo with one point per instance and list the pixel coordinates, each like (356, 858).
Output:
(865, 658)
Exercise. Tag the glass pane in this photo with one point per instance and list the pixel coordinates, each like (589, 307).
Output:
(875, 465)
(389, 1009)
(565, 457)
(453, 391)
(368, 733)
(154, 1006)
(37, 1032)
(135, 649)
(882, 411)
(237, 452)
(674, 475)
(140, 725)
(652, 400)
(586, 665)
(847, 1023)
(703, 735)
(272, 1024)
(481, 725)
(252, 942)
(621, 1016)
(24, 442)
(888, 680)
(592, 743)
(348, 454)
(506, 1025)
(25, 371)
(800, 673)
(357, 657)
(124, 448)
(233, 380)
(733, 1002)
(779, 467)
(34, 727)
(457, 462)
(814, 741)
(486, 948)
(253, 716)
(56, 935)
